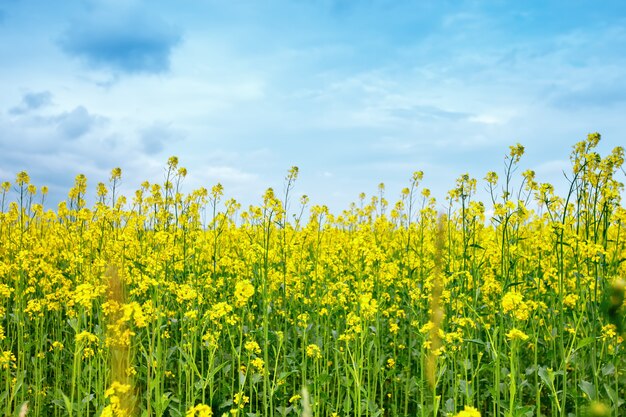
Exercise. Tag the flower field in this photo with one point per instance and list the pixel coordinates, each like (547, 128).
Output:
(185, 304)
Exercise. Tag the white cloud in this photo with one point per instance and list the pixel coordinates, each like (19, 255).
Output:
(553, 167)
(487, 119)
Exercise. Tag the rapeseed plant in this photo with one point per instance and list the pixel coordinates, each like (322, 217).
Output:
(173, 303)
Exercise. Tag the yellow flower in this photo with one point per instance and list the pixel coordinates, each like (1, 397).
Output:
(516, 334)
(117, 388)
(491, 178)
(516, 152)
(513, 302)
(393, 327)
(211, 339)
(252, 347)
(201, 410)
(570, 300)
(86, 336)
(313, 351)
(468, 411)
(368, 306)
(191, 314)
(88, 353)
(85, 294)
(427, 327)
(241, 400)
(303, 320)
(56, 345)
(609, 332)
(220, 310)
(6, 358)
(243, 291)
(22, 178)
(258, 363)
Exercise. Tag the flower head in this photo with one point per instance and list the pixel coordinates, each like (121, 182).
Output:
(516, 334)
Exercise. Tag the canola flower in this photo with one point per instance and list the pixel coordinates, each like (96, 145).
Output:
(200, 410)
(6, 359)
(516, 334)
(116, 394)
(313, 351)
(468, 411)
(170, 302)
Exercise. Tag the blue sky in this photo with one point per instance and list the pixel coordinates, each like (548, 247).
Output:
(353, 92)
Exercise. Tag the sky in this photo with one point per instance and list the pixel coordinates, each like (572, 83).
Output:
(354, 93)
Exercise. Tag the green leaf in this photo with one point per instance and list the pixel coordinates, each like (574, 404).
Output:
(613, 395)
(164, 401)
(477, 341)
(589, 389)
(87, 398)
(283, 411)
(546, 376)
(584, 342)
(68, 404)
(525, 411)
(226, 403)
(608, 369)
(347, 405)
(377, 413)
(256, 378)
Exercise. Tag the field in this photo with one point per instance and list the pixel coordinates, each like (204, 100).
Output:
(185, 304)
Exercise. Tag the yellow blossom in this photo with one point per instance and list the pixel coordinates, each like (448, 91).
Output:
(313, 351)
(516, 334)
(468, 411)
(243, 291)
(199, 410)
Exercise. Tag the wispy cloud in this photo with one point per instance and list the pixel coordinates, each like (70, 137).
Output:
(427, 112)
(600, 93)
(32, 101)
(77, 122)
(155, 137)
(129, 42)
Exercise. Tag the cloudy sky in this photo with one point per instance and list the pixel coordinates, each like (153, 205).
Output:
(353, 92)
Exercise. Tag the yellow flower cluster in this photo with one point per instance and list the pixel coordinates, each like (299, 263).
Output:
(513, 303)
(243, 291)
(200, 410)
(117, 395)
(516, 334)
(468, 411)
(6, 359)
(200, 301)
(313, 351)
